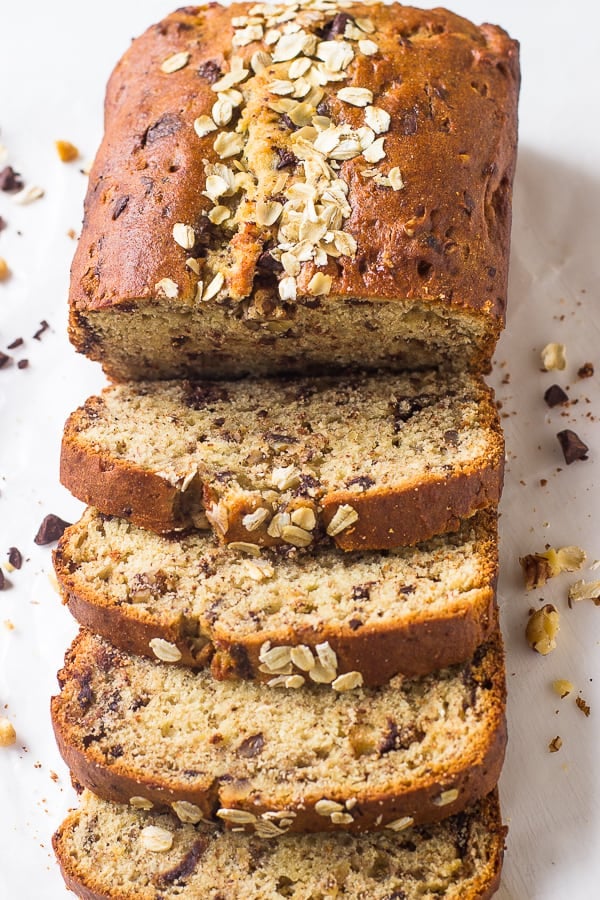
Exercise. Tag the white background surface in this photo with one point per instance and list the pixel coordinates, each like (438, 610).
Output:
(54, 62)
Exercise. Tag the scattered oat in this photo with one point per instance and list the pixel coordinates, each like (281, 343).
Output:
(175, 62)
(187, 812)
(584, 590)
(166, 287)
(165, 651)
(184, 235)
(29, 195)
(203, 125)
(140, 803)
(347, 682)
(213, 287)
(344, 517)
(319, 284)
(401, 824)
(155, 839)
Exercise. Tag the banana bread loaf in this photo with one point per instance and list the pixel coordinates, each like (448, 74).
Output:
(299, 188)
(315, 758)
(112, 852)
(372, 461)
(191, 601)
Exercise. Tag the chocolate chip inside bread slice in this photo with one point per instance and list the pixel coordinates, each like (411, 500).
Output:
(370, 461)
(187, 599)
(110, 851)
(318, 759)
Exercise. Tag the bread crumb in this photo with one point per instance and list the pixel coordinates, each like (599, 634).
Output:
(67, 151)
(8, 735)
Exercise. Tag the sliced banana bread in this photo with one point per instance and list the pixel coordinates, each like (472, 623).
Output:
(316, 758)
(112, 852)
(290, 188)
(382, 613)
(371, 461)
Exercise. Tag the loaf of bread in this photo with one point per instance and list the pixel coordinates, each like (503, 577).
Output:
(372, 461)
(191, 601)
(109, 851)
(316, 757)
(298, 188)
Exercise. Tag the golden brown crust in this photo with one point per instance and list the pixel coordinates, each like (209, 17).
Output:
(413, 648)
(113, 780)
(451, 89)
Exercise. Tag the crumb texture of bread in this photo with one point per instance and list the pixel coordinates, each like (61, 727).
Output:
(407, 611)
(373, 461)
(268, 203)
(420, 748)
(102, 850)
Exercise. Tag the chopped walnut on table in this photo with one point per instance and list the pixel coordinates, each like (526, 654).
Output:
(542, 628)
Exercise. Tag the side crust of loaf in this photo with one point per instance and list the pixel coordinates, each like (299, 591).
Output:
(409, 646)
(99, 840)
(113, 779)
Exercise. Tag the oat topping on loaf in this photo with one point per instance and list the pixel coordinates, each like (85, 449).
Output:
(337, 180)
(371, 461)
(103, 848)
(424, 748)
(187, 600)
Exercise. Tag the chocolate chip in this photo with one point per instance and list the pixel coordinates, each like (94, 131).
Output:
(44, 326)
(15, 558)
(10, 181)
(50, 530)
(555, 396)
(16, 343)
(586, 370)
(267, 262)
(4, 359)
(573, 447)
(451, 437)
(362, 591)
(286, 158)
(199, 396)
(252, 746)
(119, 206)
(186, 866)
(355, 624)
(164, 127)
(22, 364)
(336, 26)
(404, 408)
(362, 481)
(407, 589)
(211, 70)
(2, 580)
(287, 122)
(408, 122)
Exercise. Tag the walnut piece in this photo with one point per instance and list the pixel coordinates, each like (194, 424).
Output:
(542, 628)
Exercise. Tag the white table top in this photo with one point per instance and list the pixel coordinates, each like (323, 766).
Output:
(54, 62)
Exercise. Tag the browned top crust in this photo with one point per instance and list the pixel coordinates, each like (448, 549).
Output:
(451, 91)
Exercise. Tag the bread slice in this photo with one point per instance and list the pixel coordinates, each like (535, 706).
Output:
(113, 852)
(372, 461)
(286, 234)
(318, 758)
(406, 611)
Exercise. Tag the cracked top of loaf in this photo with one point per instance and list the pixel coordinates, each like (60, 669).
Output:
(308, 150)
